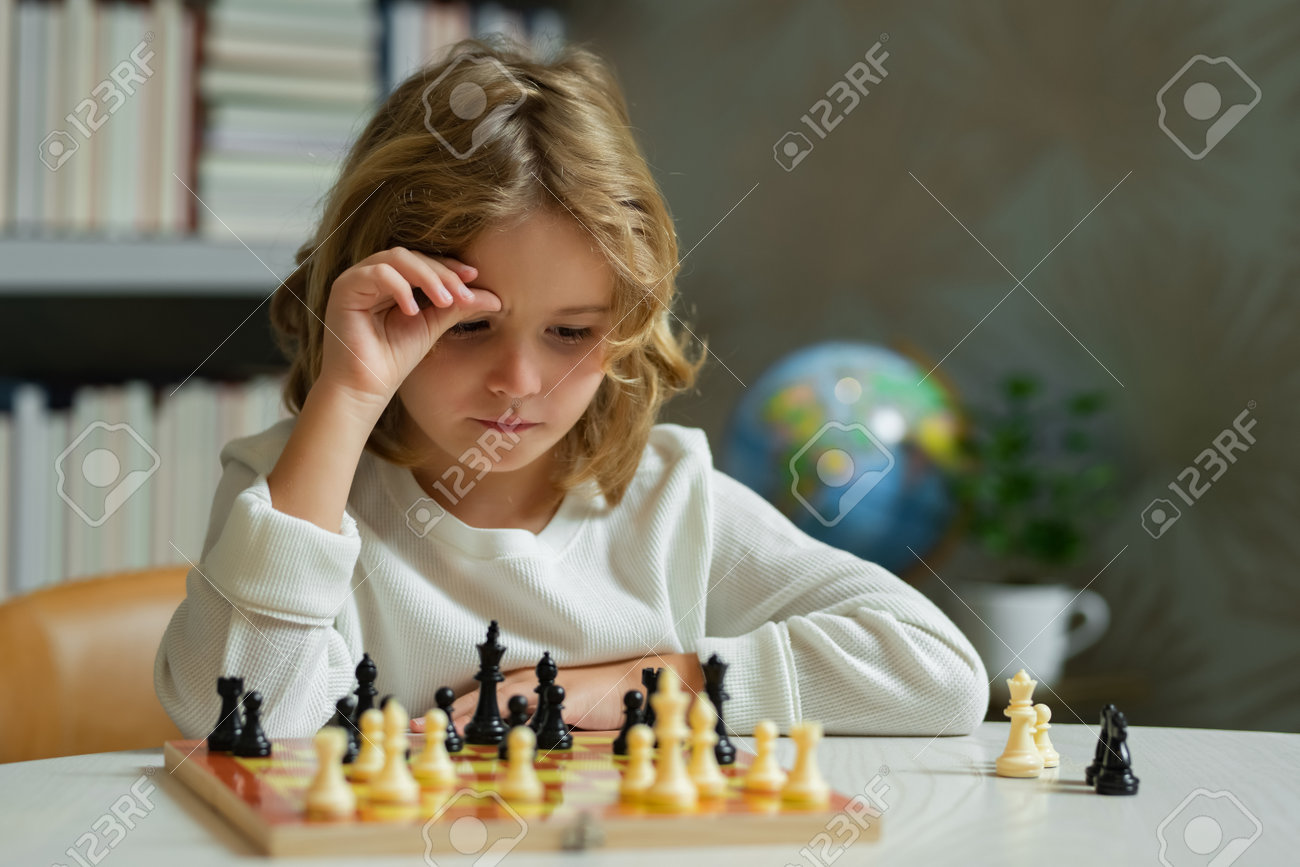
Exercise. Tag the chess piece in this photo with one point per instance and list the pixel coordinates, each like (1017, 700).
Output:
(1090, 775)
(1116, 774)
(631, 716)
(639, 774)
(486, 727)
(649, 679)
(252, 742)
(715, 670)
(765, 775)
(672, 789)
(367, 673)
(703, 770)
(395, 784)
(1043, 743)
(342, 720)
(1020, 758)
(547, 672)
(518, 707)
(370, 758)
(226, 734)
(521, 782)
(444, 698)
(555, 733)
(806, 786)
(329, 796)
(433, 766)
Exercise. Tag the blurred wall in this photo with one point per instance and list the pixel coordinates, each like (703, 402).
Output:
(1174, 292)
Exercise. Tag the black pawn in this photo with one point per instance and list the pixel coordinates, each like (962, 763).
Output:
(631, 716)
(1116, 774)
(444, 698)
(518, 707)
(715, 670)
(343, 719)
(1103, 734)
(554, 734)
(547, 671)
(226, 734)
(650, 680)
(252, 743)
(367, 673)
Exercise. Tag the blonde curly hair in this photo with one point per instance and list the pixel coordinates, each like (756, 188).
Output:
(424, 177)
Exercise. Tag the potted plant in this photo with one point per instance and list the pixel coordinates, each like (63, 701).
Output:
(1031, 487)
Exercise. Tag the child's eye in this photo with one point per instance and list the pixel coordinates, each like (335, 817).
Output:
(461, 328)
(572, 335)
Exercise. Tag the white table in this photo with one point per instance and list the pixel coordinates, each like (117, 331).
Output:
(943, 806)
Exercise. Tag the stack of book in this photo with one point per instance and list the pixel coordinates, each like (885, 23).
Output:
(123, 478)
(230, 117)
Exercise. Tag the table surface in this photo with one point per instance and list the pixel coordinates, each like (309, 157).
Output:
(1202, 793)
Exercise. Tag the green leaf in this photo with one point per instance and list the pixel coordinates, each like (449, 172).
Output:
(1077, 441)
(1087, 403)
(1020, 387)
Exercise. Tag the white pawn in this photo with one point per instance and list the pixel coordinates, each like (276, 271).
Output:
(521, 782)
(639, 774)
(370, 758)
(806, 785)
(704, 771)
(395, 784)
(329, 796)
(672, 789)
(765, 774)
(433, 767)
(1051, 758)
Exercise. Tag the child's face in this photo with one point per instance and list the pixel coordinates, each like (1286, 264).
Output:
(549, 360)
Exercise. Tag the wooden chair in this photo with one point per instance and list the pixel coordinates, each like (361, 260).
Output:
(76, 665)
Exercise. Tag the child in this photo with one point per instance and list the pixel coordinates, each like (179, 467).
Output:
(481, 341)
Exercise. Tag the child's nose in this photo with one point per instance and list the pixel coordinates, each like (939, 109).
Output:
(514, 373)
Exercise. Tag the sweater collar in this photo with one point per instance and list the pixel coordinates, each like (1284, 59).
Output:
(427, 520)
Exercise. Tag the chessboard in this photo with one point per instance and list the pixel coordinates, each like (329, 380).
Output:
(264, 799)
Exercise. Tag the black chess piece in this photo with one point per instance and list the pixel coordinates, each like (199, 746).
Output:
(252, 743)
(631, 716)
(343, 719)
(367, 673)
(715, 670)
(555, 733)
(444, 698)
(518, 707)
(1090, 775)
(650, 680)
(226, 734)
(547, 671)
(1116, 774)
(486, 727)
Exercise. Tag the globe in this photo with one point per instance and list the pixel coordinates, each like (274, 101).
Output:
(854, 444)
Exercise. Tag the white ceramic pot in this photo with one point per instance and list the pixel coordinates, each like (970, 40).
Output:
(1034, 627)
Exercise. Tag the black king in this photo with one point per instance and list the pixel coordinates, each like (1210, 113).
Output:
(487, 727)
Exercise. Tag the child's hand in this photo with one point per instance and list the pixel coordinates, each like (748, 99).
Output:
(385, 314)
(593, 698)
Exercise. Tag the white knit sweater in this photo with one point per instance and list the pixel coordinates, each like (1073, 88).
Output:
(691, 560)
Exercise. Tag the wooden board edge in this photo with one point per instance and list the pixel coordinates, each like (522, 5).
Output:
(217, 795)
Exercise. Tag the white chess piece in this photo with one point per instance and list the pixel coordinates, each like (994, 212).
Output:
(806, 785)
(1043, 743)
(370, 758)
(395, 783)
(433, 767)
(639, 774)
(521, 782)
(330, 796)
(765, 774)
(704, 771)
(672, 789)
(1020, 758)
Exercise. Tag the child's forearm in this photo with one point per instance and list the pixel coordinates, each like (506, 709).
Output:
(314, 473)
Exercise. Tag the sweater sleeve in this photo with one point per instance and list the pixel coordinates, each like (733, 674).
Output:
(818, 633)
(261, 603)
